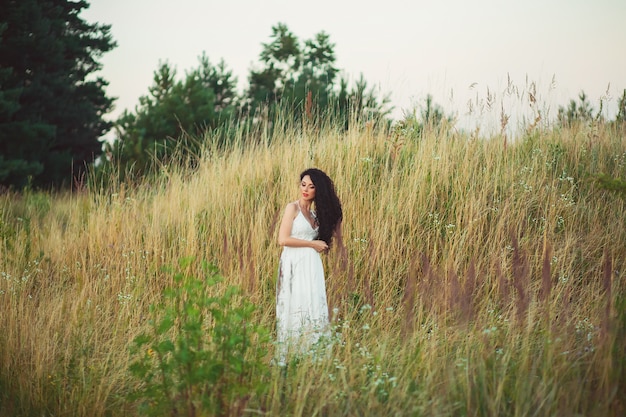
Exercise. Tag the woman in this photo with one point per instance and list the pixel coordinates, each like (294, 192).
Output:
(301, 306)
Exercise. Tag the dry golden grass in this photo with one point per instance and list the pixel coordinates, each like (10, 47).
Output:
(482, 279)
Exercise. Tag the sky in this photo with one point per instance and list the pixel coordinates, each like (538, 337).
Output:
(476, 58)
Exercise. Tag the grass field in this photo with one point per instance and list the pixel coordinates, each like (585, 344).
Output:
(483, 278)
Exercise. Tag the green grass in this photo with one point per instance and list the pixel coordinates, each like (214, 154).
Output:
(483, 278)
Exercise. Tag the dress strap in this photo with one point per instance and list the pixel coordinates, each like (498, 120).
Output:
(312, 213)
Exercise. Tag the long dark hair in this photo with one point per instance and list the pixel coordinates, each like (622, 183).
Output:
(327, 204)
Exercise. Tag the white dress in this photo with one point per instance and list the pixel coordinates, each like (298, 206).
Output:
(301, 306)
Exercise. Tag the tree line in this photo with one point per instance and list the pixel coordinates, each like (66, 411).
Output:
(52, 103)
(297, 84)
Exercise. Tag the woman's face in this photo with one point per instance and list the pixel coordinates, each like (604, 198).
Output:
(307, 188)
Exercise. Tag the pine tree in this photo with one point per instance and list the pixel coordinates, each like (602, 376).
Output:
(173, 118)
(51, 105)
(301, 81)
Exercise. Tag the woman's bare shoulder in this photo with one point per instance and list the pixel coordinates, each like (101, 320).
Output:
(291, 208)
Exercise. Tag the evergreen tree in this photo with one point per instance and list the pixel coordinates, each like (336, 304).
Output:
(578, 112)
(174, 116)
(281, 59)
(301, 81)
(317, 75)
(429, 117)
(361, 104)
(51, 107)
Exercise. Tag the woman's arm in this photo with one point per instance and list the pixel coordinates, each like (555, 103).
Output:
(284, 233)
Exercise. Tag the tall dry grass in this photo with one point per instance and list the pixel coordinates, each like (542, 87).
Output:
(482, 279)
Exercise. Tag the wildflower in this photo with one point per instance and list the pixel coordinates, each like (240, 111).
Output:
(490, 330)
(565, 177)
(124, 298)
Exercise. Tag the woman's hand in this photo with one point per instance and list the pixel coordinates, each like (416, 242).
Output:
(319, 245)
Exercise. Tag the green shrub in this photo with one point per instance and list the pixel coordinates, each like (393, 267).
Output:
(609, 183)
(203, 354)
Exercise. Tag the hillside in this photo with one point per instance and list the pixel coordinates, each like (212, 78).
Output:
(482, 278)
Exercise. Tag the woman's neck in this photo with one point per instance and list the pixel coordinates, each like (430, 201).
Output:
(304, 205)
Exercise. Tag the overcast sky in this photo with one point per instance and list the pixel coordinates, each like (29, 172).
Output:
(455, 50)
